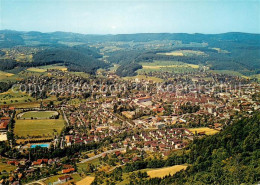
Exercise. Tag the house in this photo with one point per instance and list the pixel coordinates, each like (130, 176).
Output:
(125, 161)
(68, 170)
(68, 138)
(11, 162)
(118, 153)
(3, 125)
(136, 159)
(64, 178)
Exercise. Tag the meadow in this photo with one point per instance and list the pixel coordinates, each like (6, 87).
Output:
(155, 172)
(16, 96)
(5, 75)
(86, 181)
(208, 131)
(162, 172)
(167, 66)
(183, 53)
(43, 69)
(229, 72)
(143, 77)
(6, 167)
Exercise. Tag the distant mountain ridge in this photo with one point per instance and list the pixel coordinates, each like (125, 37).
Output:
(20, 37)
(241, 50)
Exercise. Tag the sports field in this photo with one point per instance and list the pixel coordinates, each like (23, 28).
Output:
(37, 114)
(42, 128)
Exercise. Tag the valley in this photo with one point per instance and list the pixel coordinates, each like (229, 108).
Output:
(144, 109)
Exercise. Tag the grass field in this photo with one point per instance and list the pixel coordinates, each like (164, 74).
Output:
(183, 53)
(6, 167)
(165, 171)
(143, 77)
(26, 105)
(4, 75)
(37, 114)
(173, 53)
(15, 96)
(35, 69)
(62, 68)
(42, 128)
(208, 131)
(43, 69)
(228, 72)
(256, 76)
(167, 66)
(86, 181)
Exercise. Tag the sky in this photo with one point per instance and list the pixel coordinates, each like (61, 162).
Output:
(131, 16)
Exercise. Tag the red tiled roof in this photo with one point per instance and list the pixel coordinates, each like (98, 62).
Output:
(68, 170)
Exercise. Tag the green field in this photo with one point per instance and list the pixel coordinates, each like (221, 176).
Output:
(228, 72)
(15, 96)
(6, 167)
(41, 128)
(19, 99)
(5, 75)
(208, 131)
(167, 66)
(183, 53)
(43, 69)
(256, 76)
(143, 77)
(37, 114)
(162, 172)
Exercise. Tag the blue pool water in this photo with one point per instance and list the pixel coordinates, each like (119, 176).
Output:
(41, 145)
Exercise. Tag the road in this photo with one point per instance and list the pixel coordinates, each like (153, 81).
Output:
(65, 117)
(99, 155)
(37, 182)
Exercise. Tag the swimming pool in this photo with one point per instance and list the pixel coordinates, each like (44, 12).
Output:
(41, 145)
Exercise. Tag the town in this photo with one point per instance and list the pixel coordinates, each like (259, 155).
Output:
(114, 121)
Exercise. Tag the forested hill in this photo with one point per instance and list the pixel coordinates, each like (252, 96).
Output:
(75, 58)
(12, 38)
(233, 51)
(230, 157)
